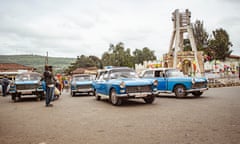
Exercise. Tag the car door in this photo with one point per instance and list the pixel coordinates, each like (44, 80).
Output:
(104, 83)
(162, 81)
(97, 84)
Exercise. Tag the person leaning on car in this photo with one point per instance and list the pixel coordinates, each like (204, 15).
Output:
(5, 83)
(50, 80)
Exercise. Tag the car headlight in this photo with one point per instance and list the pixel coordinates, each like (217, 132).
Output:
(155, 82)
(193, 81)
(122, 85)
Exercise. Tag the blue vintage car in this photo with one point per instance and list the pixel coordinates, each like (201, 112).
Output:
(27, 84)
(121, 83)
(173, 81)
(81, 83)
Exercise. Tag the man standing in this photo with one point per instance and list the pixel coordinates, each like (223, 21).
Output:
(50, 80)
(5, 83)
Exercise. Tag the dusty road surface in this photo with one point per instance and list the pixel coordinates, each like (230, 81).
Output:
(213, 118)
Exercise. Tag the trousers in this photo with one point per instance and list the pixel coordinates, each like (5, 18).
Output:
(49, 94)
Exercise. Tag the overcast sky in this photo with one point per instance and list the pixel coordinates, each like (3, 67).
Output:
(70, 28)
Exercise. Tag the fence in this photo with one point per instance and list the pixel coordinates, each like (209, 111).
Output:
(223, 80)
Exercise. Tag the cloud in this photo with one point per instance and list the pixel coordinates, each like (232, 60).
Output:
(75, 27)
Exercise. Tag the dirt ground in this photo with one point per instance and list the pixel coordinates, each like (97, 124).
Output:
(213, 118)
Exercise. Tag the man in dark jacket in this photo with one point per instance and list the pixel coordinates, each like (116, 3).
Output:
(5, 83)
(50, 80)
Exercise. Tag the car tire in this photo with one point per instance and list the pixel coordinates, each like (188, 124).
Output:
(179, 91)
(72, 93)
(38, 98)
(114, 99)
(197, 93)
(41, 96)
(14, 98)
(149, 99)
(96, 95)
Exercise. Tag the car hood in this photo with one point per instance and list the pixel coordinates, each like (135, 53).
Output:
(27, 82)
(132, 81)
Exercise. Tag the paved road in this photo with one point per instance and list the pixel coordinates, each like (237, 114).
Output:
(213, 118)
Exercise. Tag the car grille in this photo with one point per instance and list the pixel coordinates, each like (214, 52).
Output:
(84, 86)
(199, 85)
(138, 89)
(27, 86)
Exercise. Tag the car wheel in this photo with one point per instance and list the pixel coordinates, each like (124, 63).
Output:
(179, 91)
(41, 96)
(14, 97)
(149, 99)
(114, 99)
(72, 93)
(96, 95)
(38, 98)
(197, 94)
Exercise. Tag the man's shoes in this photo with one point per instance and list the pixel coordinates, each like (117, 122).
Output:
(49, 105)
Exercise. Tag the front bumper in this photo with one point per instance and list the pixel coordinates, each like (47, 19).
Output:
(197, 90)
(83, 90)
(136, 95)
(26, 92)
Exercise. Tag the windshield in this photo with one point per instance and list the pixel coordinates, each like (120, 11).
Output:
(123, 73)
(174, 73)
(82, 78)
(28, 76)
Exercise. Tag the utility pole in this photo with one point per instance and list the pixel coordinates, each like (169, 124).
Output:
(46, 59)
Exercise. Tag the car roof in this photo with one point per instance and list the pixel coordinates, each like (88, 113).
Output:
(80, 75)
(113, 68)
(154, 69)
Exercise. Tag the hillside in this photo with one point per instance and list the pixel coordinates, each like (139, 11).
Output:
(37, 61)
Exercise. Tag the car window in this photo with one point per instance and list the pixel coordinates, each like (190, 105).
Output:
(159, 73)
(82, 78)
(123, 73)
(25, 77)
(148, 74)
(105, 75)
(174, 73)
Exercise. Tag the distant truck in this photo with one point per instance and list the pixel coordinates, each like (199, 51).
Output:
(171, 80)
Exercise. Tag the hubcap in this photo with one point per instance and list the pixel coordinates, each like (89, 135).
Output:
(113, 98)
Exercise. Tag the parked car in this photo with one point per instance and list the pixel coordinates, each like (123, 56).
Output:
(27, 84)
(173, 81)
(121, 83)
(81, 83)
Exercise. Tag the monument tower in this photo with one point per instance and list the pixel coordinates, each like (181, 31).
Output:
(189, 61)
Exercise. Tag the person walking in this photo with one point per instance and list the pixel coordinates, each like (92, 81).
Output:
(5, 83)
(66, 84)
(50, 80)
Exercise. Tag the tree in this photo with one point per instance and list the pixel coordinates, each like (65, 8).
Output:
(145, 54)
(84, 62)
(220, 44)
(200, 35)
(117, 56)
